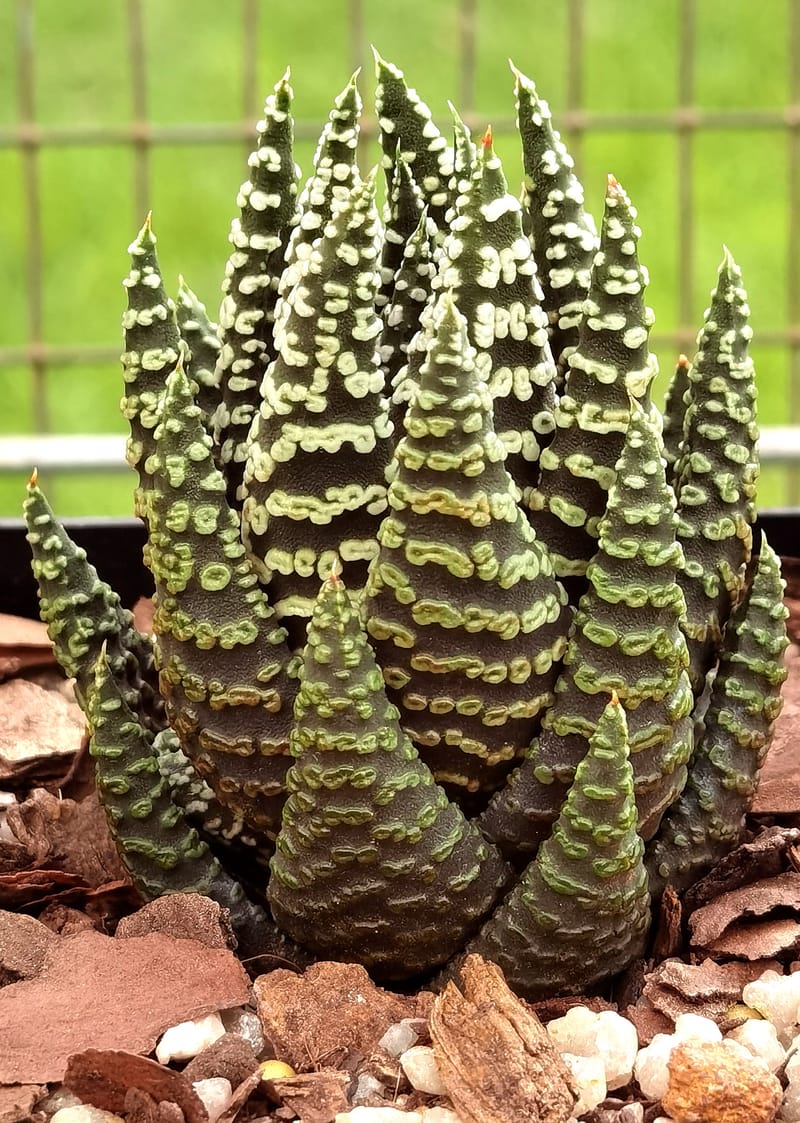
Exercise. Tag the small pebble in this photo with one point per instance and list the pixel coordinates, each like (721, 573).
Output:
(696, 1028)
(777, 997)
(247, 1024)
(276, 1070)
(59, 1098)
(608, 1035)
(187, 1039)
(378, 1115)
(85, 1113)
(439, 1115)
(589, 1075)
(398, 1038)
(714, 1084)
(790, 1112)
(367, 1088)
(419, 1065)
(216, 1095)
(761, 1038)
(650, 1066)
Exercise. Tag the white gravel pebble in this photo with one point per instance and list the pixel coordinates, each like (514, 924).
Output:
(85, 1113)
(761, 1039)
(777, 997)
(215, 1092)
(419, 1065)
(247, 1024)
(378, 1115)
(187, 1039)
(439, 1115)
(367, 1087)
(650, 1067)
(790, 1111)
(589, 1075)
(608, 1035)
(398, 1038)
(696, 1028)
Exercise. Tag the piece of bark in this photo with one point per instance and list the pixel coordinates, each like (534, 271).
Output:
(765, 856)
(230, 1056)
(24, 645)
(103, 1077)
(17, 1100)
(771, 936)
(316, 1097)
(38, 729)
(64, 834)
(668, 933)
(24, 944)
(330, 1010)
(708, 988)
(495, 1057)
(98, 992)
(708, 923)
(240, 1096)
(188, 916)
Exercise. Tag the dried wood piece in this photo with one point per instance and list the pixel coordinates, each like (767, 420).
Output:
(494, 1055)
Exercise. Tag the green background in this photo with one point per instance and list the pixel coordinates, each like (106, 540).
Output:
(194, 53)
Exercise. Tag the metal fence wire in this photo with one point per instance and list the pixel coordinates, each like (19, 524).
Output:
(30, 138)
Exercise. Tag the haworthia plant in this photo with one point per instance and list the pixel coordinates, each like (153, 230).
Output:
(407, 128)
(315, 486)
(373, 862)
(402, 213)
(580, 911)
(675, 406)
(466, 689)
(152, 345)
(225, 669)
(200, 335)
(626, 638)
(84, 615)
(463, 610)
(267, 203)
(488, 265)
(611, 364)
(160, 851)
(717, 472)
(412, 289)
(564, 236)
(335, 175)
(733, 738)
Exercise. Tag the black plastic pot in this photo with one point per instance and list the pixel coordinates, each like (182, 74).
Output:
(114, 546)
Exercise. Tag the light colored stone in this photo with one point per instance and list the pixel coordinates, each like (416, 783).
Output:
(777, 997)
(589, 1075)
(650, 1067)
(608, 1035)
(378, 1115)
(185, 1040)
(247, 1024)
(215, 1092)
(439, 1115)
(419, 1065)
(84, 1113)
(398, 1038)
(761, 1038)
(790, 1111)
(694, 1027)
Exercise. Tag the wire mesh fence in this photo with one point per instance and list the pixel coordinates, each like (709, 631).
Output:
(143, 135)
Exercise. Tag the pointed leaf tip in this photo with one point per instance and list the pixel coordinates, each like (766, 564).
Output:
(684, 361)
(486, 140)
(34, 478)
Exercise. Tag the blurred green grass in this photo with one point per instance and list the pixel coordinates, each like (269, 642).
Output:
(194, 57)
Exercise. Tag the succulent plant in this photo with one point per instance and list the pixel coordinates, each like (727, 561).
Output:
(435, 599)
